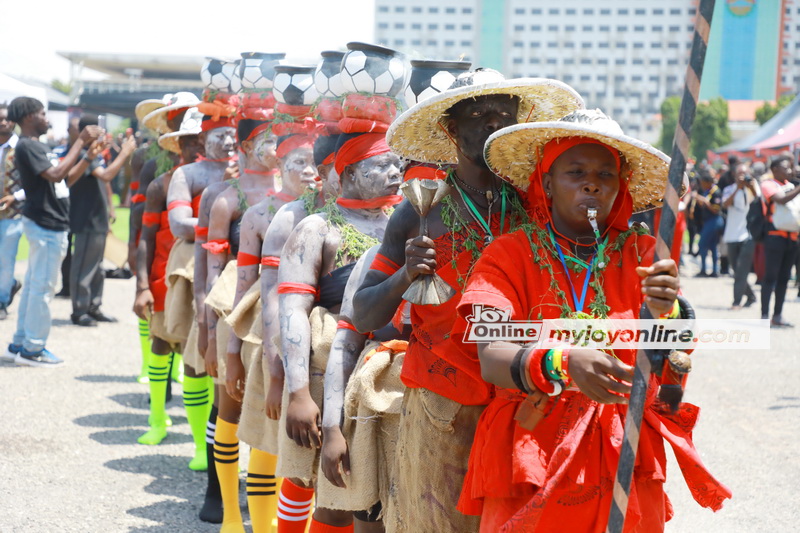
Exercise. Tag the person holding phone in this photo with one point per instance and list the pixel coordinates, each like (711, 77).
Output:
(45, 221)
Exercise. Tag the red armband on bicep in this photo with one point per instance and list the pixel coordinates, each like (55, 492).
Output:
(384, 264)
(217, 246)
(298, 288)
(271, 261)
(151, 219)
(244, 259)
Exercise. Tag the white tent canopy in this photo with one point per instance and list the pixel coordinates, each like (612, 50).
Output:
(10, 88)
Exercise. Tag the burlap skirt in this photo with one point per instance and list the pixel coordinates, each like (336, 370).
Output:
(220, 300)
(372, 406)
(255, 428)
(191, 354)
(245, 319)
(179, 301)
(296, 461)
(158, 328)
(434, 441)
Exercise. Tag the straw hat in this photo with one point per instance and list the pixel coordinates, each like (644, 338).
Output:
(514, 152)
(190, 125)
(419, 133)
(156, 120)
(145, 107)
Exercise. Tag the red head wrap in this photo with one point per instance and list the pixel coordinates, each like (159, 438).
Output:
(293, 142)
(541, 206)
(360, 148)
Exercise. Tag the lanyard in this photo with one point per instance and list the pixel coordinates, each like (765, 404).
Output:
(479, 218)
(577, 303)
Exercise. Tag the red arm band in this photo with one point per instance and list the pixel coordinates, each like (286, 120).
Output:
(298, 288)
(270, 261)
(244, 259)
(151, 219)
(535, 371)
(217, 246)
(178, 203)
(384, 264)
(134, 186)
(138, 198)
(200, 232)
(344, 324)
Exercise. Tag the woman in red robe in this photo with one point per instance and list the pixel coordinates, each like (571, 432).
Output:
(559, 475)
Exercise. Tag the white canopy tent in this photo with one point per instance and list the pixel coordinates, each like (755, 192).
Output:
(10, 88)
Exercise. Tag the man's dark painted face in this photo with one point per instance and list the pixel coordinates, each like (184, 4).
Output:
(472, 122)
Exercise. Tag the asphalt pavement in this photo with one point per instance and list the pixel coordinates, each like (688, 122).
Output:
(71, 463)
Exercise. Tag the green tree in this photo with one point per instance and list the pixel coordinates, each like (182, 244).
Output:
(710, 129)
(669, 121)
(59, 85)
(767, 111)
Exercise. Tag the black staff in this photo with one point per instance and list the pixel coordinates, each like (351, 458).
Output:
(664, 237)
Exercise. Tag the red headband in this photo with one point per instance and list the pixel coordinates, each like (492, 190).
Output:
(210, 123)
(293, 143)
(172, 113)
(261, 128)
(360, 148)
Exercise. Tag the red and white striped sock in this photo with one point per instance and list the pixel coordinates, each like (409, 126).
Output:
(294, 507)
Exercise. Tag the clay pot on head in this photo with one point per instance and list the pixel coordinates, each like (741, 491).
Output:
(294, 85)
(373, 69)
(236, 80)
(258, 69)
(216, 75)
(327, 76)
(429, 78)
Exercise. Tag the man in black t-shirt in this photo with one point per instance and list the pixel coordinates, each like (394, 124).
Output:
(88, 216)
(45, 223)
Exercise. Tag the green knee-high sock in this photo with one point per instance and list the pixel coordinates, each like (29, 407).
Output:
(197, 399)
(159, 375)
(177, 367)
(144, 341)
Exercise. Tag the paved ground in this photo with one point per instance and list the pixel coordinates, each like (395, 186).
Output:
(71, 462)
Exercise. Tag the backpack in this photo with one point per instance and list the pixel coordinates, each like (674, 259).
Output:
(757, 223)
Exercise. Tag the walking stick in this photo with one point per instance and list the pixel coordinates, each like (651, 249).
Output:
(648, 361)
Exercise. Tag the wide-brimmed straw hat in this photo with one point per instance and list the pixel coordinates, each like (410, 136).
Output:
(513, 153)
(145, 107)
(420, 133)
(190, 125)
(156, 120)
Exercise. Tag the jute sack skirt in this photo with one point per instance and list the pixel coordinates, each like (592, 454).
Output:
(434, 441)
(245, 319)
(179, 301)
(158, 329)
(191, 355)
(296, 461)
(372, 406)
(220, 300)
(255, 428)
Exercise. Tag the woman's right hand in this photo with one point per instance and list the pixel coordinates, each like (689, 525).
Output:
(599, 376)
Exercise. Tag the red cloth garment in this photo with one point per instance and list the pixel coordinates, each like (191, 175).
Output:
(151, 219)
(362, 125)
(330, 159)
(680, 229)
(200, 232)
(158, 270)
(271, 261)
(360, 148)
(172, 113)
(288, 287)
(437, 360)
(564, 469)
(138, 198)
(371, 203)
(424, 173)
(217, 246)
(134, 186)
(384, 264)
(244, 259)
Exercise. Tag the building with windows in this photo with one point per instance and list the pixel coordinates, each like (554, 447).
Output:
(623, 56)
